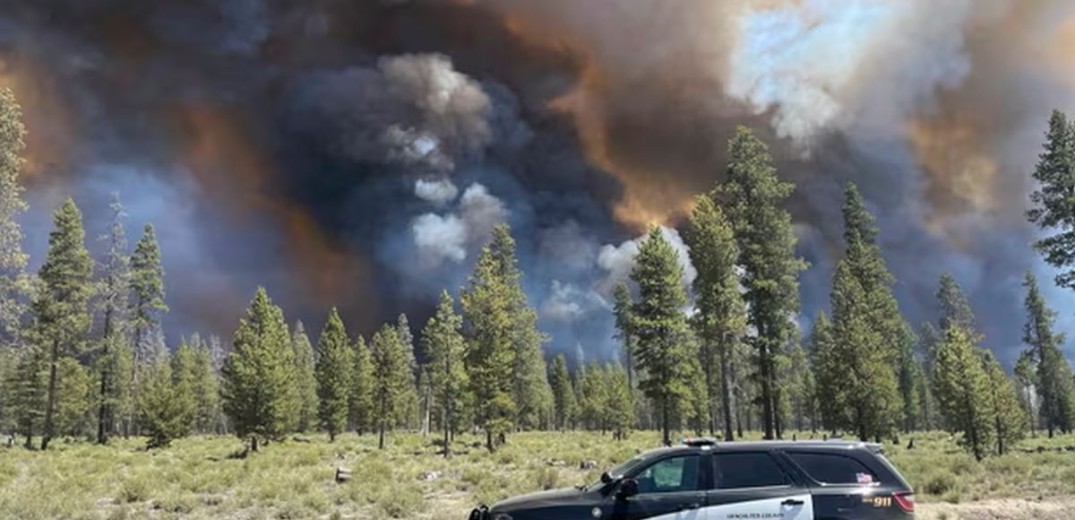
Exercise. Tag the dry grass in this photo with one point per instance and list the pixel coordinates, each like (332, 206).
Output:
(199, 478)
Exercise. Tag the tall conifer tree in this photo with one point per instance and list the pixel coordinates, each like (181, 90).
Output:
(14, 284)
(335, 367)
(721, 318)
(664, 348)
(305, 380)
(360, 400)
(444, 344)
(258, 374)
(391, 375)
(61, 307)
(1054, 376)
(563, 393)
(1052, 204)
(114, 362)
(752, 196)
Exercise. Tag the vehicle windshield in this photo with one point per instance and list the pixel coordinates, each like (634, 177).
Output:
(619, 471)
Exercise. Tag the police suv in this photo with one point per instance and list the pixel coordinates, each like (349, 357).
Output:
(708, 480)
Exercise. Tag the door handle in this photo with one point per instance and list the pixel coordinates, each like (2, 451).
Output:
(693, 505)
(792, 502)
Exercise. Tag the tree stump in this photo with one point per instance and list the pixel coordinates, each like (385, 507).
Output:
(342, 475)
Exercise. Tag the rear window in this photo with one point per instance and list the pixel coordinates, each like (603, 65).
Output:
(747, 470)
(831, 468)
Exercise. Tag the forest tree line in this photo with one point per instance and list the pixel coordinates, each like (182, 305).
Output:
(83, 353)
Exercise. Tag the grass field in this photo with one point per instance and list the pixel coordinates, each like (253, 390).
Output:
(205, 477)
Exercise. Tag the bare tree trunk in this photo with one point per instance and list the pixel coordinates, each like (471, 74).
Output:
(666, 437)
(768, 425)
(726, 390)
(103, 424)
(447, 430)
(51, 400)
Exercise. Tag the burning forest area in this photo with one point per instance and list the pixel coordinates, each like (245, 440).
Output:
(406, 258)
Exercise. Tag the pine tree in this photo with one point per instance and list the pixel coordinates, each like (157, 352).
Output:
(1026, 381)
(593, 396)
(60, 309)
(828, 373)
(335, 366)
(929, 338)
(14, 283)
(305, 381)
(800, 388)
(26, 388)
(391, 376)
(257, 374)
(955, 309)
(1054, 376)
(751, 197)
(446, 348)
(74, 399)
(410, 407)
(168, 400)
(1009, 422)
(869, 388)
(962, 390)
(114, 363)
(664, 343)
(147, 291)
(146, 305)
(360, 400)
(621, 410)
(621, 307)
(1053, 206)
(530, 392)
(488, 305)
(207, 393)
(721, 317)
(563, 393)
(911, 383)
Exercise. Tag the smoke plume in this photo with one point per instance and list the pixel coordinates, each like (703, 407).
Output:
(358, 153)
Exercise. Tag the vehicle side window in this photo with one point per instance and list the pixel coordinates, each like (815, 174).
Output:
(747, 470)
(832, 468)
(671, 475)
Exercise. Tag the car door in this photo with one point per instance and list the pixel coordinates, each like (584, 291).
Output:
(754, 485)
(671, 488)
(843, 486)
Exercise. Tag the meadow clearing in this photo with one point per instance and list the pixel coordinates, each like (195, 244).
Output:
(208, 478)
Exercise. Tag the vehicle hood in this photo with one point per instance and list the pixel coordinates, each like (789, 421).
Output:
(538, 500)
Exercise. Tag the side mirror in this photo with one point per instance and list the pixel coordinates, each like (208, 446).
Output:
(606, 478)
(628, 488)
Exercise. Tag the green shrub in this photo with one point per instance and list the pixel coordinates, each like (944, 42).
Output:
(939, 483)
(133, 490)
(546, 478)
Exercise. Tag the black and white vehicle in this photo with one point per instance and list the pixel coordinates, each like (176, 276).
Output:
(708, 480)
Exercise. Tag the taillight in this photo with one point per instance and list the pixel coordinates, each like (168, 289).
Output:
(905, 501)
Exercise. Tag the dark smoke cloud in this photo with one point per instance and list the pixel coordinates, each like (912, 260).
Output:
(357, 153)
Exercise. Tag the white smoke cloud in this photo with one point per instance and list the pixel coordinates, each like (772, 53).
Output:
(827, 65)
(568, 303)
(618, 261)
(439, 192)
(481, 212)
(440, 238)
(450, 237)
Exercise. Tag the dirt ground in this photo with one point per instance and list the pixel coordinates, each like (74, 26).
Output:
(1005, 509)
